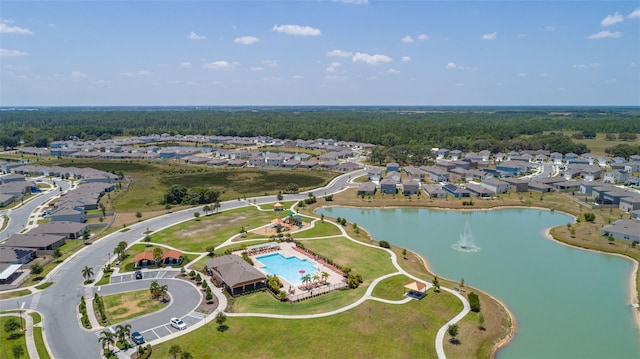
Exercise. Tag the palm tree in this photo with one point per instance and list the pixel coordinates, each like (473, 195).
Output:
(206, 209)
(174, 350)
(163, 290)
(106, 339)
(216, 206)
(316, 277)
(154, 288)
(325, 276)
(87, 272)
(306, 279)
(123, 332)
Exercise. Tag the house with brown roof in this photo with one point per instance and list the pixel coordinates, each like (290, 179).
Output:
(235, 274)
(171, 257)
(144, 259)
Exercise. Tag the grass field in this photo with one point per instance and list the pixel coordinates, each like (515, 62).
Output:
(16, 294)
(6, 344)
(319, 229)
(124, 306)
(371, 330)
(598, 145)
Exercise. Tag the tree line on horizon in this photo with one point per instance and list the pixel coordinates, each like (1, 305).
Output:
(497, 131)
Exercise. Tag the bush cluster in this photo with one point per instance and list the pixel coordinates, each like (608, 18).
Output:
(384, 244)
(467, 203)
(474, 302)
(98, 306)
(84, 318)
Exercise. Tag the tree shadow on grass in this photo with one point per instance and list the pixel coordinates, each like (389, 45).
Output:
(223, 328)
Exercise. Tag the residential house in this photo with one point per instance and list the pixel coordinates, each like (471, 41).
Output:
(485, 154)
(630, 203)
(455, 155)
(456, 191)
(410, 186)
(632, 167)
(291, 164)
(311, 164)
(388, 186)
(393, 167)
(395, 176)
(347, 167)
(616, 176)
(442, 153)
(539, 187)
(459, 175)
(513, 168)
(16, 255)
(437, 174)
(480, 191)
(144, 259)
(624, 229)
(171, 257)
(67, 229)
(41, 243)
(496, 186)
(374, 174)
(413, 172)
(434, 191)
(68, 214)
(366, 189)
(275, 161)
(517, 185)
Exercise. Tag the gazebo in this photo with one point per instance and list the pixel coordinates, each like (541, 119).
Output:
(278, 207)
(416, 290)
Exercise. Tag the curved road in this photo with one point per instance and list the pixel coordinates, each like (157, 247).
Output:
(58, 303)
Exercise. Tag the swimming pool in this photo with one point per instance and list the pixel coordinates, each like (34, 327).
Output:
(288, 268)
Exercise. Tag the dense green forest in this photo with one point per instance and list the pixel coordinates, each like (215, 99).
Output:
(467, 129)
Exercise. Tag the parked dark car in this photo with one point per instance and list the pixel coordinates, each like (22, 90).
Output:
(138, 275)
(137, 338)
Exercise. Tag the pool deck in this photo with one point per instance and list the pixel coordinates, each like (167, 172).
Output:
(287, 250)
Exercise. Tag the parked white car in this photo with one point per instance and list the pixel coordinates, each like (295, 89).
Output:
(178, 323)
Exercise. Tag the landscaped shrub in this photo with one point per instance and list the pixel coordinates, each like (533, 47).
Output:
(589, 217)
(246, 258)
(474, 302)
(384, 244)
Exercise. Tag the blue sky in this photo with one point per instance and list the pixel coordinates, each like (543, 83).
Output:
(354, 52)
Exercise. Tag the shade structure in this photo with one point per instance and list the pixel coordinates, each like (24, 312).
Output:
(417, 286)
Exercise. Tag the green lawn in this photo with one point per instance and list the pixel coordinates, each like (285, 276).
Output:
(369, 262)
(212, 230)
(6, 344)
(319, 229)
(16, 294)
(371, 330)
(125, 306)
(392, 288)
(43, 353)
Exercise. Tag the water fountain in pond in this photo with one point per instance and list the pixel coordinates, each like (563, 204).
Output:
(465, 242)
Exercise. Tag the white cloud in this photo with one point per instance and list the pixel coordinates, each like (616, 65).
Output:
(543, 74)
(405, 59)
(5, 29)
(407, 39)
(256, 69)
(136, 73)
(491, 36)
(423, 37)
(193, 36)
(11, 53)
(393, 72)
(523, 74)
(336, 78)
(606, 34)
(297, 77)
(459, 84)
(219, 65)
(585, 66)
(339, 53)
(451, 66)
(185, 65)
(297, 30)
(371, 59)
(612, 19)
(550, 28)
(635, 14)
(333, 67)
(246, 40)
(270, 63)
(77, 75)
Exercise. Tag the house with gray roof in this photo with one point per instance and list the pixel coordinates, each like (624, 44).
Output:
(367, 189)
(41, 243)
(630, 203)
(434, 191)
(496, 186)
(16, 255)
(437, 174)
(388, 186)
(517, 185)
(235, 274)
(456, 191)
(479, 190)
(70, 230)
(616, 176)
(347, 166)
(68, 214)
(624, 229)
(410, 186)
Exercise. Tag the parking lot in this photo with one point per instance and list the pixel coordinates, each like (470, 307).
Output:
(163, 330)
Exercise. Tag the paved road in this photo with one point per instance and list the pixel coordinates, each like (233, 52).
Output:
(58, 303)
(19, 217)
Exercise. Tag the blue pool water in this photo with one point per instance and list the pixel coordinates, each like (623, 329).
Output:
(287, 268)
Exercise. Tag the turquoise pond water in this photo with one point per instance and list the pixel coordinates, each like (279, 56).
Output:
(568, 303)
(288, 268)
